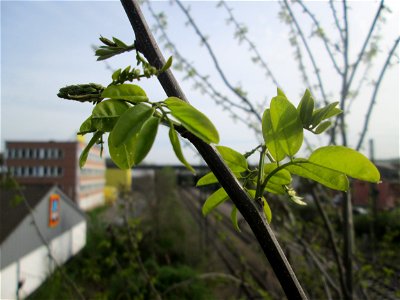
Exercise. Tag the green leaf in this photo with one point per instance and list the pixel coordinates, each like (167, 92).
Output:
(333, 179)
(281, 177)
(129, 92)
(235, 160)
(322, 127)
(86, 126)
(130, 123)
(167, 65)
(119, 43)
(234, 218)
(207, 179)
(279, 92)
(84, 155)
(324, 113)
(210, 178)
(145, 139)
(176, 145)
(347, 161)
(287, 125)
(123, 155)
(214, 200)
(193, 120)
(306, 108)
(271, 137)
(116, 74)
(274, 188)
(106, 113)
(134, 150)
(267, 210)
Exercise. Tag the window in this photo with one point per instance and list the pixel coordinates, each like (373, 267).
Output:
(41, 153)
(19, 153)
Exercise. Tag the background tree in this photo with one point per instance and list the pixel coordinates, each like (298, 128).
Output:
(354, 70)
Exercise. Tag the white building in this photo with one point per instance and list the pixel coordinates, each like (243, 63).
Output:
(24, 257)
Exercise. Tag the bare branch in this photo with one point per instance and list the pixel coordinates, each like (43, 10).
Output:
(310, 55)
(335, 17)
(364, 47)
(321, 35)
(375, 93)
(251, 44)
(215, 60)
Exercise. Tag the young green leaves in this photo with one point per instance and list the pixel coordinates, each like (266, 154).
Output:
(193, 120)
(312, 119)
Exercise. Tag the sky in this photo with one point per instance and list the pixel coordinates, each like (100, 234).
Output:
(46, 45)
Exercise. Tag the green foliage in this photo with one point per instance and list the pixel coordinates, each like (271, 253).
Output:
(214, 200)
(132, 120)
(130, 92)
(193, 120)
(176, 145)
(287, 125)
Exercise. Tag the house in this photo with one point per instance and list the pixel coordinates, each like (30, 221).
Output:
(47, 220)
(386, 193)
(49, 162)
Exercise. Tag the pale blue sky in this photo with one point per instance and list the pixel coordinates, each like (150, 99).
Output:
(47, 45)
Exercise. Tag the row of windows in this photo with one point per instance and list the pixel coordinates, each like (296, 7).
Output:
(92, 172)
(35, 153)
(91, 187)
(36, 171)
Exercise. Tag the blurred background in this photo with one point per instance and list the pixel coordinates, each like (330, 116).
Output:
(139, 234)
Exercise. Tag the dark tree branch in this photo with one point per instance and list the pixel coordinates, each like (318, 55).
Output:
(146, 44)
(375, 93)
(215, 61)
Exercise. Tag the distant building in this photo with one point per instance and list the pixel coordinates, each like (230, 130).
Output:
(57, 163)
(115, 177)
(387, 193)
(25, 261)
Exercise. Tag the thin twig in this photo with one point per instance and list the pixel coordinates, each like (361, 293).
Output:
(215, 60)
(251, 45)
(335, 17)
(331, 237)
(375, 93)
(310, 55)
(321, 35)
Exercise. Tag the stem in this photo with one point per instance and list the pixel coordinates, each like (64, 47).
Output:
(259, 190)
(331, 236)
(146, 44)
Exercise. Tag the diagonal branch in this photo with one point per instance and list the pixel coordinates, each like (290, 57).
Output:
(362, 51)
(310, 55)
(321, 35)
(335, 17)
(146, 44)
(252, 46)
(216, 63)
(375, 93)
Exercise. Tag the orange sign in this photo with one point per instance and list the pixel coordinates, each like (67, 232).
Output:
(54, 210)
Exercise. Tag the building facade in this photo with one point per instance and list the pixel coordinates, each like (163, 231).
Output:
(34, 241)
(57, 163)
